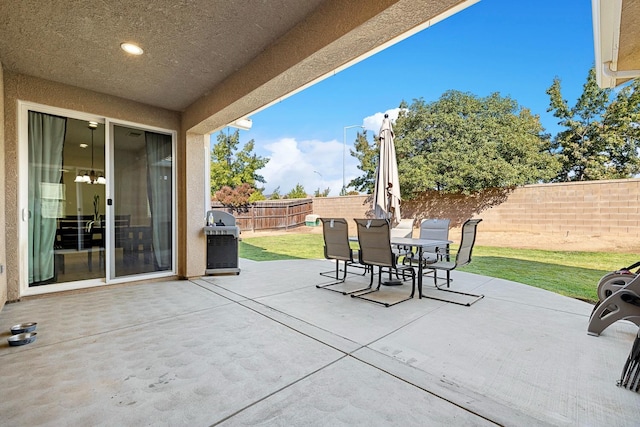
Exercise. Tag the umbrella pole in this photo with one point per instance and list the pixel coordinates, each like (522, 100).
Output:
(389, 214)
(391, 281)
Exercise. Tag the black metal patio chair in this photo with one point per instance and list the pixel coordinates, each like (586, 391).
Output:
(375, 251)
(335, 232)
(463, 257)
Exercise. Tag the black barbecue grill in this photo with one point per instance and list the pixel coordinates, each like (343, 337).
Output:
(222, 243)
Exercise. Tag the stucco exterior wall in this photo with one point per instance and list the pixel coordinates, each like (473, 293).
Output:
(26, 88)
(3, 247)
(588, 209)
(193, 204)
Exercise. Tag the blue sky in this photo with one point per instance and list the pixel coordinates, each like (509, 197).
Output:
(514, 47)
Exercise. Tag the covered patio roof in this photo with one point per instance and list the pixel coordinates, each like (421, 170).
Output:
(206, 64)
(214, 61)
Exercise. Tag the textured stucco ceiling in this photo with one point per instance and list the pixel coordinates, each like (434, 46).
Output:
(212, 60)
(190, 45)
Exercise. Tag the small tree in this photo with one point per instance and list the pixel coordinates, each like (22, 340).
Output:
(323, 193)
(367, 155)
(275, 195)
(297, 192)
(233, 167)
(237, 199)
(256, 196)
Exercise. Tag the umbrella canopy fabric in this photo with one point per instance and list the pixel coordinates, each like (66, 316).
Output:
(386, 194)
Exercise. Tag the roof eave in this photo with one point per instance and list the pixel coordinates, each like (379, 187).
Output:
(607, 17)
(606, 34)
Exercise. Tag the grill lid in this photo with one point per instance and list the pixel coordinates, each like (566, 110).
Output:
(220, 218)
(221, 223)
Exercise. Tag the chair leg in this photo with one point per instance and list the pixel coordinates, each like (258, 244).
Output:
(427, 272)
(365, 268)
(368, 288)
(476, 297)
(334, 274)
(413, 281)
(339, 280)
(59, 262)
(377, 289)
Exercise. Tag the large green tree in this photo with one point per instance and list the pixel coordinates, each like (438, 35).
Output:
(367, 154)
(463, 143)
(233, 167)
(601, 137)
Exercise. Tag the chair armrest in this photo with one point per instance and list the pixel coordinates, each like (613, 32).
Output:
(440, 254)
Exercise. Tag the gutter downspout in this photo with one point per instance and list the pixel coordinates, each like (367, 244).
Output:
(628, 74)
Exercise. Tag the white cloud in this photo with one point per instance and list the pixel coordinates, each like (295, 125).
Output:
(373, 122)
(314, 164)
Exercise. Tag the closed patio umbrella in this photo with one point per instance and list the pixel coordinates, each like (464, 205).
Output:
(386, 195)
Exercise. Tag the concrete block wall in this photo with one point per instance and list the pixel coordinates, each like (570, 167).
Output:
(348, 207)
(595, 208)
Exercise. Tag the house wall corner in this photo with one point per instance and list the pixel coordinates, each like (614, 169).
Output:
(3, 243)
(192, 205)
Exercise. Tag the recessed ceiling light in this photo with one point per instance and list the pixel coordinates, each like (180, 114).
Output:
(131, 48)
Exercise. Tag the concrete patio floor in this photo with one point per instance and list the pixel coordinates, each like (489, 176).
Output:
(266, 347)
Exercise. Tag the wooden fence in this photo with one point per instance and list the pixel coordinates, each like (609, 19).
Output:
(271, 214)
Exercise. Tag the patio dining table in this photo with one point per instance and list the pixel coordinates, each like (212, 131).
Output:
(419, 244)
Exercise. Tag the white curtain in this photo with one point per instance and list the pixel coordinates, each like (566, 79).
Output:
(159, 186)
(46, 142)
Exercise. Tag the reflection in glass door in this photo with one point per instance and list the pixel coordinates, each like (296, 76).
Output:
(142, 220)
(65, 199)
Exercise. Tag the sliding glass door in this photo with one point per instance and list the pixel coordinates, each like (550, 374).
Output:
(142, 206)
(65, 199)
(98, 201)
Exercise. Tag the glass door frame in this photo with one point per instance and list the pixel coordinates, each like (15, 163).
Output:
(109, 195)
(23, 199)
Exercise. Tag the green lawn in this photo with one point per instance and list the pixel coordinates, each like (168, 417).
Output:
(574, 274)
